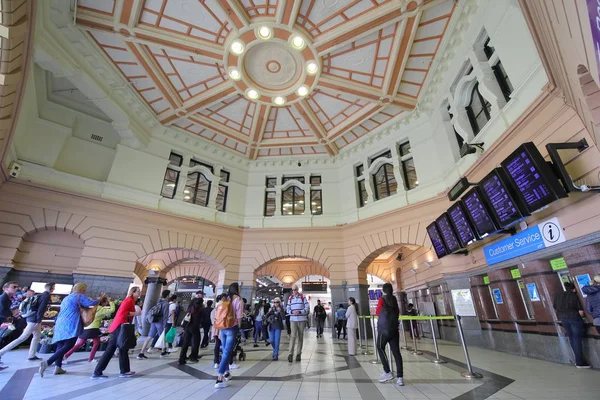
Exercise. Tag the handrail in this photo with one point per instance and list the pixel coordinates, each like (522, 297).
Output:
(415, 318)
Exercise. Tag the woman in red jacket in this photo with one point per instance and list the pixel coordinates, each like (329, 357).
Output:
(125, 313)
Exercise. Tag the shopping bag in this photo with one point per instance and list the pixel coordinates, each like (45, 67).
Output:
(170, 337)
(160, 343)
(126, 339)
(186, 320)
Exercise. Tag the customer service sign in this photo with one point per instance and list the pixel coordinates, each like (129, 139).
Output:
(535, 238)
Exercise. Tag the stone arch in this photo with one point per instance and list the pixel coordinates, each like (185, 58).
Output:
(590, 93)
(290, 269)
(193, 268)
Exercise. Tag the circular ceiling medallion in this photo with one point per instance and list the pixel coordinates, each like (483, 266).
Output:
(272, 69)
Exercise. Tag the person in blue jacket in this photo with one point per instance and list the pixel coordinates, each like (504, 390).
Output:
(592, 305)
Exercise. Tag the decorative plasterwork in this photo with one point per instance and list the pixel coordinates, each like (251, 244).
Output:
(373, 58)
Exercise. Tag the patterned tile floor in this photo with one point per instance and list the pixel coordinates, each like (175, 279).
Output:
(326, 372)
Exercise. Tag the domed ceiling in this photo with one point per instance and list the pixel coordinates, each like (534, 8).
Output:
(271, 77)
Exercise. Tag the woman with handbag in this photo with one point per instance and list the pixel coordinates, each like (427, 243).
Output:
(275, 318)
(92, 331)
(123, 337)
(68, 326)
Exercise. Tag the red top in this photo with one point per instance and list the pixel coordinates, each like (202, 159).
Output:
(126, 307)
(379, 305)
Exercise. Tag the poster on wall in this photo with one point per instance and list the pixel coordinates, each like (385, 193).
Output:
(498, 296)
(583, 280)
(441, 304)
(533, 292)
(463, 303)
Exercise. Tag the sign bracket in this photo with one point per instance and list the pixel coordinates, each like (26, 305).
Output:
(559, 167)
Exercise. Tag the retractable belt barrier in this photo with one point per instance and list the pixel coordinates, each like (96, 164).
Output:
(467, 374)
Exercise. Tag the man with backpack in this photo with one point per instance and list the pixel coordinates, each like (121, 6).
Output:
(157, 317)
(33, 312)
(320, 315)
(298, 309)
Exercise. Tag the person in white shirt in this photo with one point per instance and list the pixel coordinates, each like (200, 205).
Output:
(352, 325)
(171, 321)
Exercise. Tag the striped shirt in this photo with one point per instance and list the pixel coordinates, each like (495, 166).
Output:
(300, 304)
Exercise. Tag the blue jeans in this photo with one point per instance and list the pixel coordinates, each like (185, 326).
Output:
(227, 342)
(574, 329)
(275, 336)
(258, 332)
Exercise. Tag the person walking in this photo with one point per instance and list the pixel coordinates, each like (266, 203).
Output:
(68, 326)
(137, 320)
(257, 315)
(205, 323)
(298, 309)
(172, 318)
(352, 325)
(191, 333)
(320, 315)
(8, 291)
(387, 333)
(592, 304)
(92, 331)
(33, 311)
(125, 313)
(276, 318)
(157, 317)
(340, 315)
(228, 319)
(570, 313)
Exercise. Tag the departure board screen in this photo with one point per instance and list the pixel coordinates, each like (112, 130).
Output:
(478, 213)
(497, 194)
(533, 179)
(436, 240)
(447, 233)
(462, 225)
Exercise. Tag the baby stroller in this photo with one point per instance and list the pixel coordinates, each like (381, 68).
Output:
(238, 347)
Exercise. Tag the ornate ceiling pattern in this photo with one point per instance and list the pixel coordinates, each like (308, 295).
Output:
(271, 77)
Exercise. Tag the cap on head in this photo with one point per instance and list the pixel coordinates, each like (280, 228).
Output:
(597, 279)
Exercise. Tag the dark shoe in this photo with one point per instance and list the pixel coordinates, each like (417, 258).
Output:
(34, 358)
(142, 356)
(193, 360)
(3, 367)
(129, 374)
(101, 376)
(267, 344)
(290, 358)
(276, 358)
(298, 358)
(164, 354)
(182, 362)
(255, 345)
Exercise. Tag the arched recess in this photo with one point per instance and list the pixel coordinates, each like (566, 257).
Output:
(194, 268)
(290, 269)
(49, 251)
(590, 92)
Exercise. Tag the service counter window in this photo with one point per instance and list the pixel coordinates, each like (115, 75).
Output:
(564, 277)
(526, 299)
(495, 307)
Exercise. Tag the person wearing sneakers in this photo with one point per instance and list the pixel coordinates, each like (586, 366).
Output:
(228, 319)
(387, 332)
(68, 326)
(157, 317)
(125, 314)
(298, 309)
(9, 289)
(216, 333)
(570, 313)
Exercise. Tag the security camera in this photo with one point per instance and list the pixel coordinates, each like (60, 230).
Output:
(299, 164)
(467, 148)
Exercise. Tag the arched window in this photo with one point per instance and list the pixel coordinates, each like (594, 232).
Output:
(478, 110)
(384, 181)
(197, 189)
(292, 201)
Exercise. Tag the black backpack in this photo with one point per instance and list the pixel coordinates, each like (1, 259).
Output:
(155, 314)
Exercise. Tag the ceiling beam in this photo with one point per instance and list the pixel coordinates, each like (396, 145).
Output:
(354, 120)
(317, 127)
(259, 124)
(289, 12)
(153, 36)
(400, 53)
(129, 13)
(288, 142)
(235, 12)
(219, 128)
(363, 25)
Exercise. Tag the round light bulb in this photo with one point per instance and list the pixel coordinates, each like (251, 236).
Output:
(302, 91)
(237, 47)
(253, 94)
(298, 42)
(312, 67)
(264, 32)
(279, 100)
(235, 74)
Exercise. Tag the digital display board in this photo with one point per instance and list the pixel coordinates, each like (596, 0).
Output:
(496, 193)
(478, 213)
(436, 240)
(314, 287)
(462, 225)
(447, 233)
(536, 184)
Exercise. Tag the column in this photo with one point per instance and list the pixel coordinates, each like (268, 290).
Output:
(153, 289)
(248, 291)
(214, 187)
(338, 296)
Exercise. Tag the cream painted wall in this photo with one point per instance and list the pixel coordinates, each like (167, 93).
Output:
(86, 159)
(136, 169)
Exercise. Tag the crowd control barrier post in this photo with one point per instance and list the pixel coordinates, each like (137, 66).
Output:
(435, 345)
(406, 346)
(469, 373)
(366, 352)
(373, 330)
(360, 345)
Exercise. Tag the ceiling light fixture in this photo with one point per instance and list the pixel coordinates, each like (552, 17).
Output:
(302, 91)
(298, 42)
(186, 197)
(186, 191)
(170, 185)
(234, 74)
(312, 67)
(237, 47)
(264, 32)
(290, 213)
(252, 94)
(279, 101)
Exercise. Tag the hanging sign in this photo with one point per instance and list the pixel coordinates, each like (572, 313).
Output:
(558, 263)
(498, 296)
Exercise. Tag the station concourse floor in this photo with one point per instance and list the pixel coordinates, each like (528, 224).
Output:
(325, 372)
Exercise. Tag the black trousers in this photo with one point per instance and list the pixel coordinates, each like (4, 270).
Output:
(110, 351)
(341, 325)
(62, 347)
(320, 325)
(206, 330)
(217, 359)
(190, 336)
(394, 342)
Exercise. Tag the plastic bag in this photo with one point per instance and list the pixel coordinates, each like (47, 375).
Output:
(160, 343)
(170, 337)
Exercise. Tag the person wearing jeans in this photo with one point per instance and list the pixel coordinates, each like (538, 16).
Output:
(570, 313)
(275, 316)
(592, 304)
(298, 309)
(34, 324)
(258, 314)
(387, 333)
(228, 336)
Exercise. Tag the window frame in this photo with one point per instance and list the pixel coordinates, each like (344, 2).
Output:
(376, 193)
(293, 201)
(197, 187)
(224, 196)
(267, 193)
(362, 187)
(176, 182)
(404, 159)
(485, 108)
(383, 154)
(319, 207)
(503, 80)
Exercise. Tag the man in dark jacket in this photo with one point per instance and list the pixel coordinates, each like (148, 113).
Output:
(320, 316)
(33, 324)
(387, 332)
(592, 305)
(570, 313)
(205, 323)
(192, 332)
